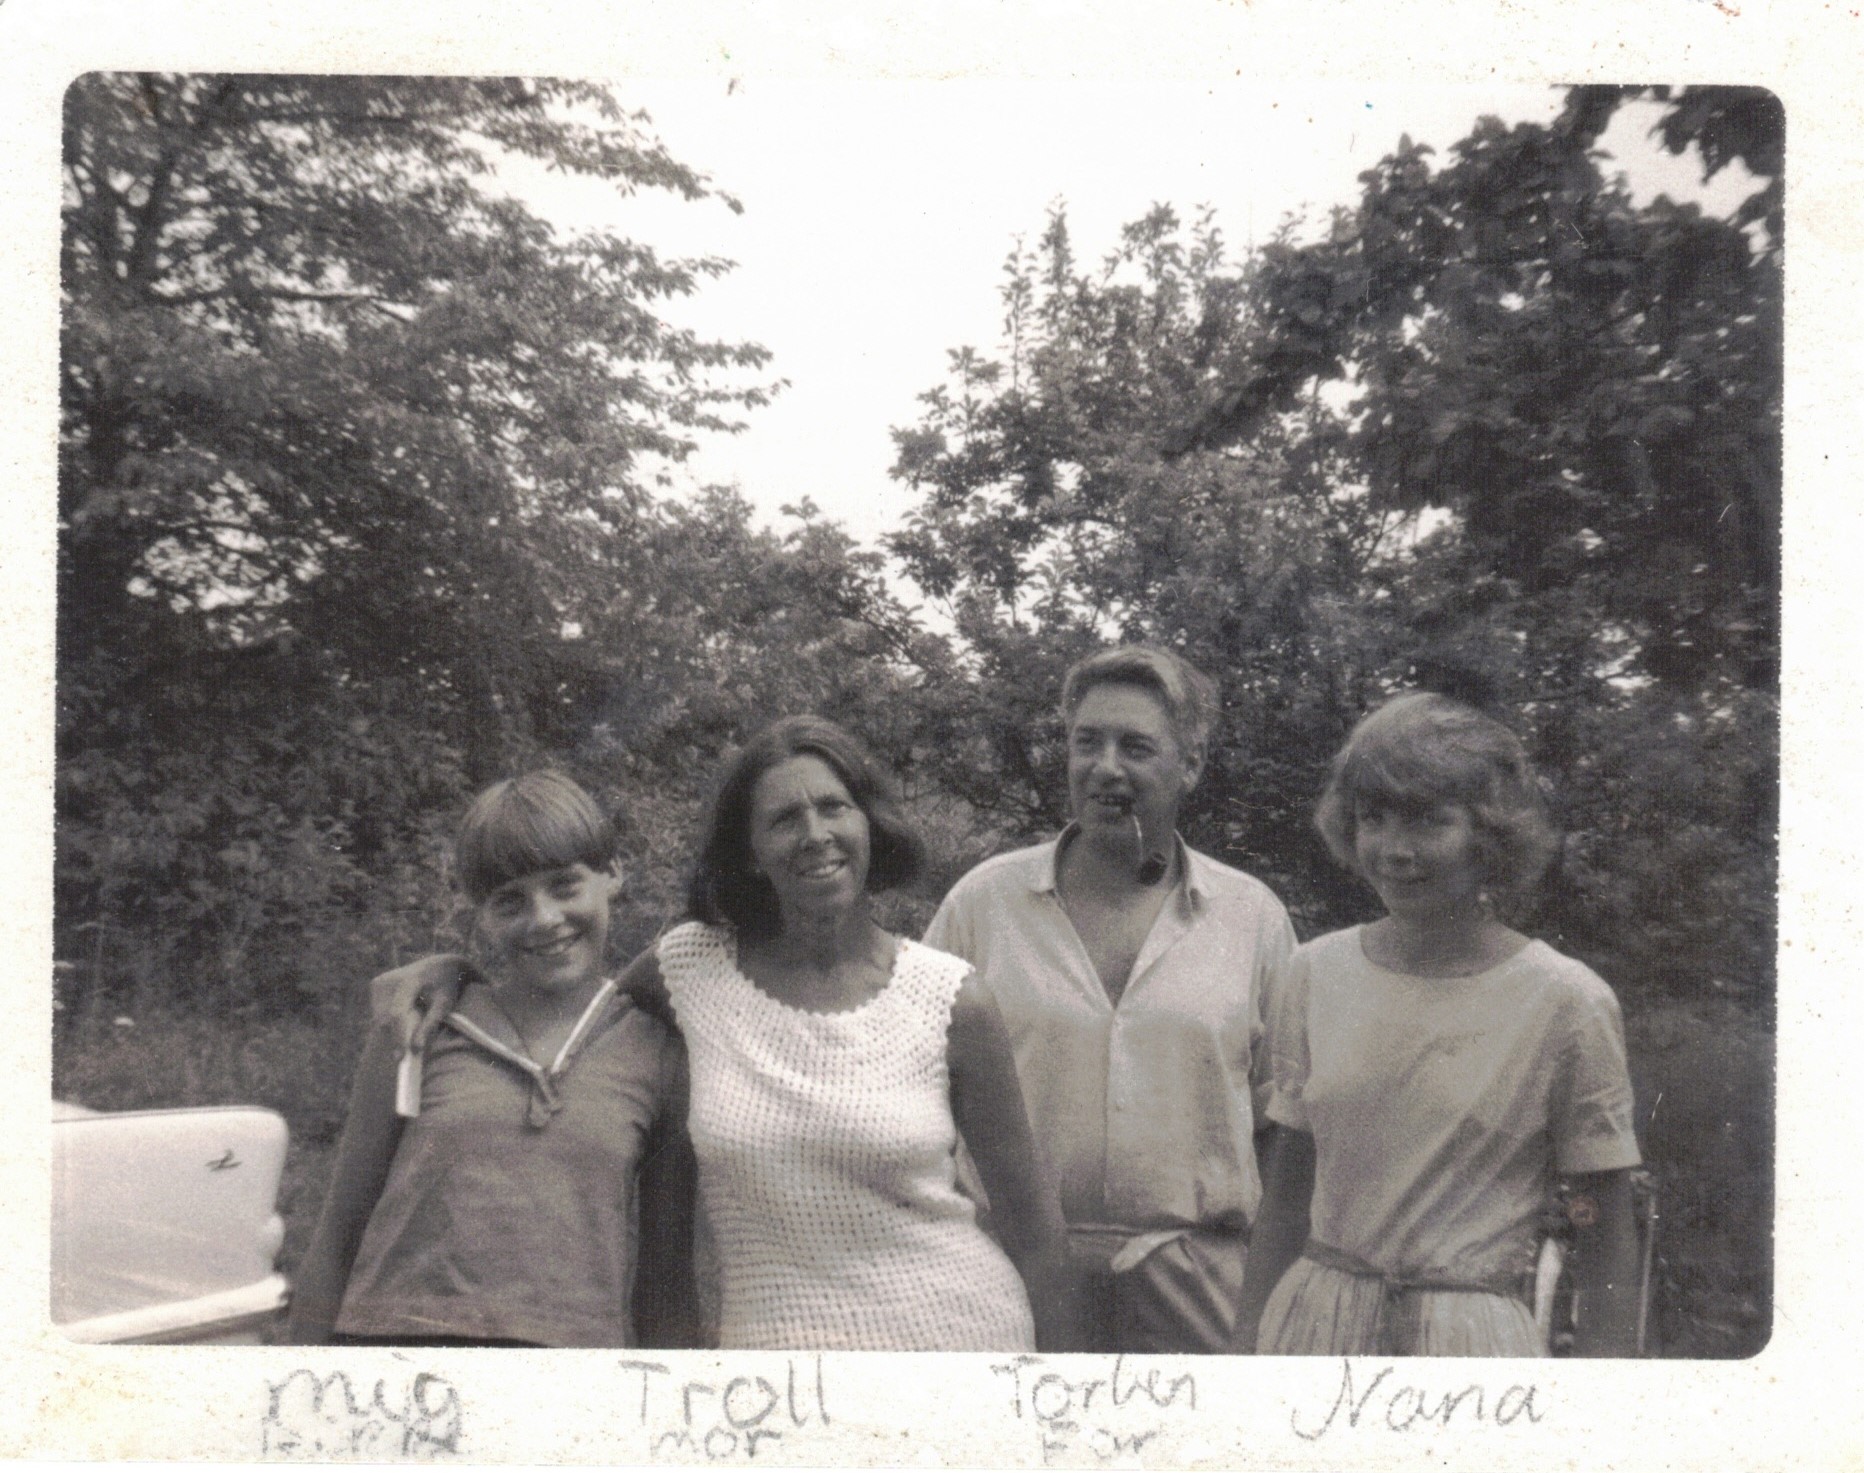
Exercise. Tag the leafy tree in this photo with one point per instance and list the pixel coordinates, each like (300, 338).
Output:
(1590, 387)
(1499, 430)
(1054, 519)
(744, 625)
(317, 381)
(348, 439)
(1588, 392)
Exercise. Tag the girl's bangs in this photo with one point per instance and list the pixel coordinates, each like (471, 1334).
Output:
(1410, 775)
(521, 840)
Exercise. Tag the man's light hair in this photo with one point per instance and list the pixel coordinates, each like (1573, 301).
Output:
(1188, 695)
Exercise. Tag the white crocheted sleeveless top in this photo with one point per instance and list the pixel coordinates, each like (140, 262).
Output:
(826, 1162)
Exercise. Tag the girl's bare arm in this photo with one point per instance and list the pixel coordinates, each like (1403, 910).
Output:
(1605, 1265)
(641, 984)
(415, 997)
(666, 1300)
(1281, 1227)
(412, 999)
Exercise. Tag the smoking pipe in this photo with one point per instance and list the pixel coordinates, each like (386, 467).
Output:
(1152, 864)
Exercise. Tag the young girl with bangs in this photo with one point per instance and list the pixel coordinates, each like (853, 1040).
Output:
(1436, 1070)
(533, 1186)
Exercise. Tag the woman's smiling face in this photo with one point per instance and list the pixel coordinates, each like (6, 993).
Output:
(809, 837)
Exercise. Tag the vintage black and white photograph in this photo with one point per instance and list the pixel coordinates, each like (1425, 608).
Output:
(1133, 729)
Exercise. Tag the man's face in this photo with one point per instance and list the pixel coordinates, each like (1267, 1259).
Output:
(1123, 758)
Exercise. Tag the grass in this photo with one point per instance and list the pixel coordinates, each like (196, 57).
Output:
(1704, 1074)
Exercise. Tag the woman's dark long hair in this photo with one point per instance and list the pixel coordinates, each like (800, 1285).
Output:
(725, 890)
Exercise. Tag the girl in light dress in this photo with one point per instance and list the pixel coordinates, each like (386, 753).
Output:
(1435, 1071)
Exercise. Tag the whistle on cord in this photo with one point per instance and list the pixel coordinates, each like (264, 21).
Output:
(1152, 863)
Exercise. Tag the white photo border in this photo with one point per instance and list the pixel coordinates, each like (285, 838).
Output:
(1787, 1407)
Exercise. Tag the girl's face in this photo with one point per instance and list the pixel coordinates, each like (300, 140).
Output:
(1425, 860)
(809, 837)
(549, 929)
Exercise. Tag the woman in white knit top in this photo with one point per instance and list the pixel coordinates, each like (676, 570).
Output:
(833, 1067)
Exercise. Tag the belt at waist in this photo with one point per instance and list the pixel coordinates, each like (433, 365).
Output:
(1396, 1327)
(1422, 1281)
(1124, 1248)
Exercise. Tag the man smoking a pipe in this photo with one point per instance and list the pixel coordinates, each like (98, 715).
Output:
(1133, 974)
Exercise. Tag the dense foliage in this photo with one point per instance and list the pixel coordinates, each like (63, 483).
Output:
(357, 510)
(1498, 429)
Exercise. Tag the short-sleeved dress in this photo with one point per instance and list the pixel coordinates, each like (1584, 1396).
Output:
(827, 1170)
(1441, 1110)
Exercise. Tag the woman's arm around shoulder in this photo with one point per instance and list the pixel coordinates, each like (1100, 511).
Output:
(642, 984)
(1025, 1202)
(365, 1151)
(414, 997)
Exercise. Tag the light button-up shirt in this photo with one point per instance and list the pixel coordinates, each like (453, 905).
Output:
(1149, 1108)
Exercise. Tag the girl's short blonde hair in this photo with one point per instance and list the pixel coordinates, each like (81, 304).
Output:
(1422, 749)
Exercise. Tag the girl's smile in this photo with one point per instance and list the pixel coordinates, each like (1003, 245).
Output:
(549, 929)
(1424, 861)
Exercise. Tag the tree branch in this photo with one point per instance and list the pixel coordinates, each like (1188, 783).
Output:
(246, 290)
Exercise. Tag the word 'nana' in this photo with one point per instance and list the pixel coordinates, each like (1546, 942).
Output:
(1408, 1406)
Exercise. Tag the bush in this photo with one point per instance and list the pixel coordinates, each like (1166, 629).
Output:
(1705, 1080)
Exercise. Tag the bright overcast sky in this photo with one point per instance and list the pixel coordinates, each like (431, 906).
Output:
(877, 216)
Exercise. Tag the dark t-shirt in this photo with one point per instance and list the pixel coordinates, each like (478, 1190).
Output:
(493, 1227)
